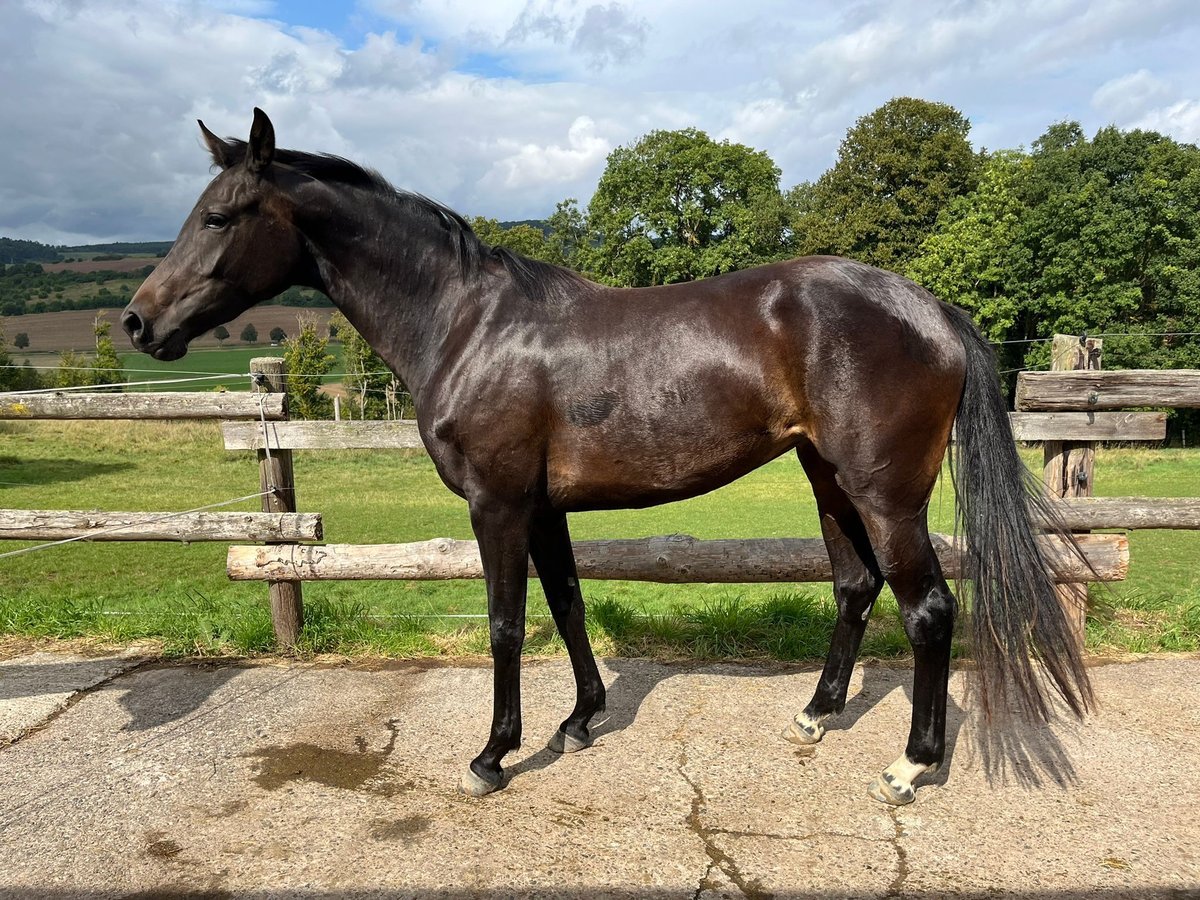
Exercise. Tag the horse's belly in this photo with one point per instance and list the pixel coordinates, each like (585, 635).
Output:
(600, 474)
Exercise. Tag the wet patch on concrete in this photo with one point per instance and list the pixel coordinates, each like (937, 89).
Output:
(403, 830)
(572, 815)
(159, 846)
(351, 770)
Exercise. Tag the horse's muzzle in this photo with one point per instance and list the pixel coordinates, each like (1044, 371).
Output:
(135, 327)
(172, 345)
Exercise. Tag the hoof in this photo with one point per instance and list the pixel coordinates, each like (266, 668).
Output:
(887, 789)
(475, 786)
(803, 733)
(564, 743)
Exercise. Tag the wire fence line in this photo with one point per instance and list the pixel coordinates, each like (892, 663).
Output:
(404, 398)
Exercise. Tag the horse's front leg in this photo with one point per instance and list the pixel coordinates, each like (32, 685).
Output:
(502, 530)
(554, 559)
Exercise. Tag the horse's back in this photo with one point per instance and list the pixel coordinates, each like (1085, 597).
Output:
(672, 391)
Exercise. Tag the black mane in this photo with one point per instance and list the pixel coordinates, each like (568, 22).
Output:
(536, 279)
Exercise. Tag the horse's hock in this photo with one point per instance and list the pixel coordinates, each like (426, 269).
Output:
(1054, 407)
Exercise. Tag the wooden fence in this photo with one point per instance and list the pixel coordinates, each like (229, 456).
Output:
(1058, 408)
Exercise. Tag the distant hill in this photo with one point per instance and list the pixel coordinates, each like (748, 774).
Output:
(72, 330)
(14, 251)
(127, 248)
(540, 224)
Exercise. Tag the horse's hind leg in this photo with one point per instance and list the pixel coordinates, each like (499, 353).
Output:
(908, 562)
(857, 582)
(550, 547)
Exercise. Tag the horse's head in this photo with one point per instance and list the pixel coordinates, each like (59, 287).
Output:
(238, 247)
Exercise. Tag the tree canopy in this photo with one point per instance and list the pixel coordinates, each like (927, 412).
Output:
(677, 205)
(1078, 235)
(896, 170)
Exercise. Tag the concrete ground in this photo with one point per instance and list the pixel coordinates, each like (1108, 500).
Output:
(274, 780)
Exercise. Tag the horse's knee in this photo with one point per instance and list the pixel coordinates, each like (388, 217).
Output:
(506, 636)
(931, 620)
(856, 595)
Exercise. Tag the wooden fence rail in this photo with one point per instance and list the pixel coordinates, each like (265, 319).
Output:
(1114, 389)
(321, 435)
(402, 434)
(91, 525)
(1088, 426)
(668, 559)
(176, 405)
(1130, 513)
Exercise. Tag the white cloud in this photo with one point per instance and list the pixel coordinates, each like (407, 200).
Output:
(1130, 96)
(609, 34)
(1180, 120)
(531, 165)
(502, 109)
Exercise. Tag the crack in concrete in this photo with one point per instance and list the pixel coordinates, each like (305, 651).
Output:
(896, 888)
(77, 697)
(808, 836)
(719, 859)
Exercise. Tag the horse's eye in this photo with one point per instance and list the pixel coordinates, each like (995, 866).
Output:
(215, 221)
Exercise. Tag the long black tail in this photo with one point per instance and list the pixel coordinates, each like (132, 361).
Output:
(1017, 620)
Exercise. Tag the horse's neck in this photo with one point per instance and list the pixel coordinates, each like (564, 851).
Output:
(388, 272)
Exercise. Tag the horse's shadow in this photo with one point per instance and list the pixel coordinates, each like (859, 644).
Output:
(17, 472)
(1029, 756)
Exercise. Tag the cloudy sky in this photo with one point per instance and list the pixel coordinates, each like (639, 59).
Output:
(502, 108)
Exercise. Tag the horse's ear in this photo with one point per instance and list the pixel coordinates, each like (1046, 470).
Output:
(261, 148)
(222, 153)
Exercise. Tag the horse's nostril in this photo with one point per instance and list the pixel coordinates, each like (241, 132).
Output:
(132, 323)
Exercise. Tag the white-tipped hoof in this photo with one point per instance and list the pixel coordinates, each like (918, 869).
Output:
(895, 786)
(474, 786)
(892, 793)
(804, 731)
(564, 743)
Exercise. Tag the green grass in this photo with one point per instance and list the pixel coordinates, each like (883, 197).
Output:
(178, 594)
(233, 360)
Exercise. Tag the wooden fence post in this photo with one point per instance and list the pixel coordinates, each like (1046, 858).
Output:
(1069, 466)
(275, 472)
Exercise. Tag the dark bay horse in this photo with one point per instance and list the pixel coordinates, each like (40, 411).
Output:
(539, 393)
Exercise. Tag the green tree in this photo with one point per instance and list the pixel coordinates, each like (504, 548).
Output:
(1078, 235)
(278, 334)
(106, 365)
(74, 370)
(307, 358)
(677, 205)
(21, 341)
(7, 375)
(523, 239)
(367, 376)
(221, 333)
(568, 235)
(977, 257)
(249, 334)
(897, 169)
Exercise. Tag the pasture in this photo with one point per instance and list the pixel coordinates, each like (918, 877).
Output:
(179, 595)
(50, 333)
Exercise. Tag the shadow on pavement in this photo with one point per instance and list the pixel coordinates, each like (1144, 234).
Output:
(1031, 756)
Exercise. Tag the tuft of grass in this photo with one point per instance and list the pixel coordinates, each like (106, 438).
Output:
(784, 626)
